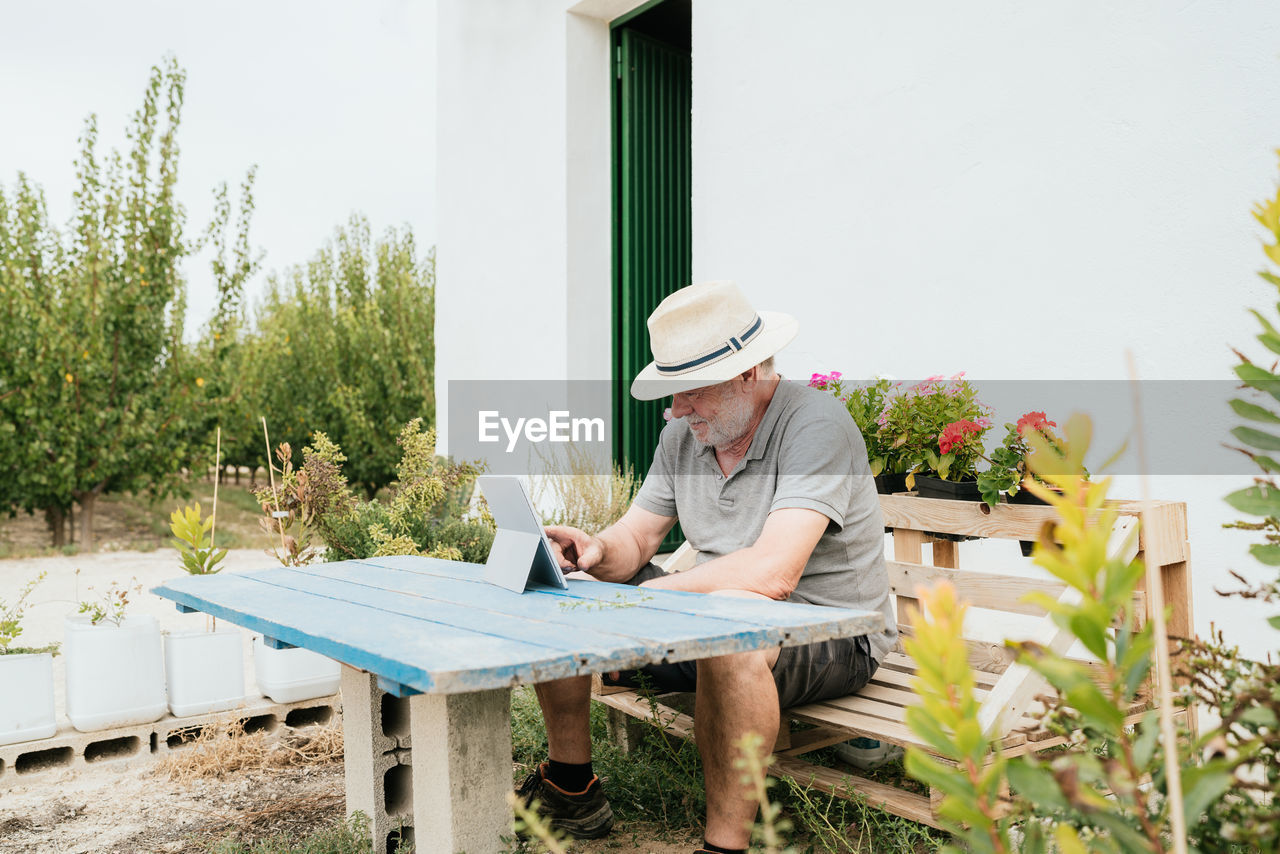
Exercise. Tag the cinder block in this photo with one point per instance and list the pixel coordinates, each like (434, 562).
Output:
(139, 744)
(379, 777)
(462, 770)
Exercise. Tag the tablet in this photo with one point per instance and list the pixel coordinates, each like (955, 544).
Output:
(521, 552)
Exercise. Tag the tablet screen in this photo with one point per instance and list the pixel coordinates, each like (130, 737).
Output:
(513, 511)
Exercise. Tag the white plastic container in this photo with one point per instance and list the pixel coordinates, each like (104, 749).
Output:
(290, 675)
(115, 676)
(204, 671)
(26, 697)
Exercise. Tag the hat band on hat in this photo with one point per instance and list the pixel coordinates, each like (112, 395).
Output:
(733, 345)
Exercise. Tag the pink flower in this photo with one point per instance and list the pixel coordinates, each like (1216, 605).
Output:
(666, 414)
(958, 376)
(983, 422)
(819, 381)
(835, 376)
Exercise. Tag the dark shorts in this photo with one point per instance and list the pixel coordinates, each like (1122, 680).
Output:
(803, 674)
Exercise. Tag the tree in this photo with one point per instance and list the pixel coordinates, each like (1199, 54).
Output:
(344, 346)
(101, 395)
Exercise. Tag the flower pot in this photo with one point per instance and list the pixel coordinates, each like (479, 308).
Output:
(26, 697)
(204, 671)
(115, 676)
(887, 484)
(1022, 496)
(955, 490)
(290, 675)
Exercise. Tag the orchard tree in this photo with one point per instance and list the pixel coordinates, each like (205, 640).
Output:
(222, 350)
(36, 460)
(100, 395)
(345, 345)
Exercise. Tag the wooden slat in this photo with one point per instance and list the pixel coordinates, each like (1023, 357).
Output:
(992, 590)
(1022, 521)
(908, 547)
(813, 739)
(906, 804)
(982, 655)
(675, 722)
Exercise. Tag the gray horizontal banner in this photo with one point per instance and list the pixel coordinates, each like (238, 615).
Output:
(540, 427)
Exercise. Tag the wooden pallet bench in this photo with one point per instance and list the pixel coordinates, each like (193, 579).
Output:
(1010, 694)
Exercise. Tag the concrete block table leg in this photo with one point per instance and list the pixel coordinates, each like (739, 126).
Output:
(377, 759)
(461, 770)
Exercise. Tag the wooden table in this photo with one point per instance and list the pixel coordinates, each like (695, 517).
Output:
(433, 631)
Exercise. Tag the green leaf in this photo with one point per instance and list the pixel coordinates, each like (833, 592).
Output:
(1092, 635)
(1204, 785)
(1259, 716)
(1268, 553)
(1086, 698)
(1258, 378)
(1274, 622)
(1257, 438)
(1259, 500)
(1036, 784)
(1254, 412)
(1144, 747)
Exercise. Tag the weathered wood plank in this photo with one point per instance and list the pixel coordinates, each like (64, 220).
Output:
(992, 590)
(896, 801)
(446, 631)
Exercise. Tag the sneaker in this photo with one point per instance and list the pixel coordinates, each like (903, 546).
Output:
(582, 815)
(867, 753)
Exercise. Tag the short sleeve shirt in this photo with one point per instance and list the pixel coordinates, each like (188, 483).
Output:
(806, 453)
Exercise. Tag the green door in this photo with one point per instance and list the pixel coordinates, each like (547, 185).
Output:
(652, 208)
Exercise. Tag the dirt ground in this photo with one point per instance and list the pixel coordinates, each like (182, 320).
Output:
(137, 810)
(123, 811)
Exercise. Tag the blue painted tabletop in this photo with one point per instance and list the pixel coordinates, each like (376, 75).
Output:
(434, 626)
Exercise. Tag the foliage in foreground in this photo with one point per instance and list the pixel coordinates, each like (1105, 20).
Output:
(423, 515)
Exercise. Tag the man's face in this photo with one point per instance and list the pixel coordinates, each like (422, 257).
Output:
(718, 415)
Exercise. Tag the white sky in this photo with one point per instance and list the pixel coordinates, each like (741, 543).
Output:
(334, 101)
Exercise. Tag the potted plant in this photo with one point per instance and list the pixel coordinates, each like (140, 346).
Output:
(868, 405)
(204, 669)
(1008, 464)
(26, 677)
(115, 676)
(290, 675)
(937, 427)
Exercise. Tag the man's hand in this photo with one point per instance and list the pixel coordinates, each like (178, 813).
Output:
(574, 548)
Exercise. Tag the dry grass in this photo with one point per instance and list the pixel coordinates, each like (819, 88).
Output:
(221, 749)
(576, 493)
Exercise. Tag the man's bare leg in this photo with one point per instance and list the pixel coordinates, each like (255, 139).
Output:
(566, 710)
(736, 695)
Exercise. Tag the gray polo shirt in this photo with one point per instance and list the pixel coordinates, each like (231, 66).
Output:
(807, 452)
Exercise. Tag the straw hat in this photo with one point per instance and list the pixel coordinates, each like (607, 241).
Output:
(705, 334)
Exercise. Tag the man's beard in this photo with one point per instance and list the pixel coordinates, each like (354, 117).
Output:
(730, 423)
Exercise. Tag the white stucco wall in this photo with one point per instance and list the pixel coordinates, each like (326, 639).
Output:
(1017, 191)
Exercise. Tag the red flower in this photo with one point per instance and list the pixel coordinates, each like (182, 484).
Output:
(1034, 421)
(955, 432)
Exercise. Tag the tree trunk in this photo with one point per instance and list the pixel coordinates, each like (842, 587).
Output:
(237, 468)
(56, 519)
(87, 501)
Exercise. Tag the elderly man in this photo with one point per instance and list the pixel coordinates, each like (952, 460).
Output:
(770, 483)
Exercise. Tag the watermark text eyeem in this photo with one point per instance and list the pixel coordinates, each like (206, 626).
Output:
(556, 427)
